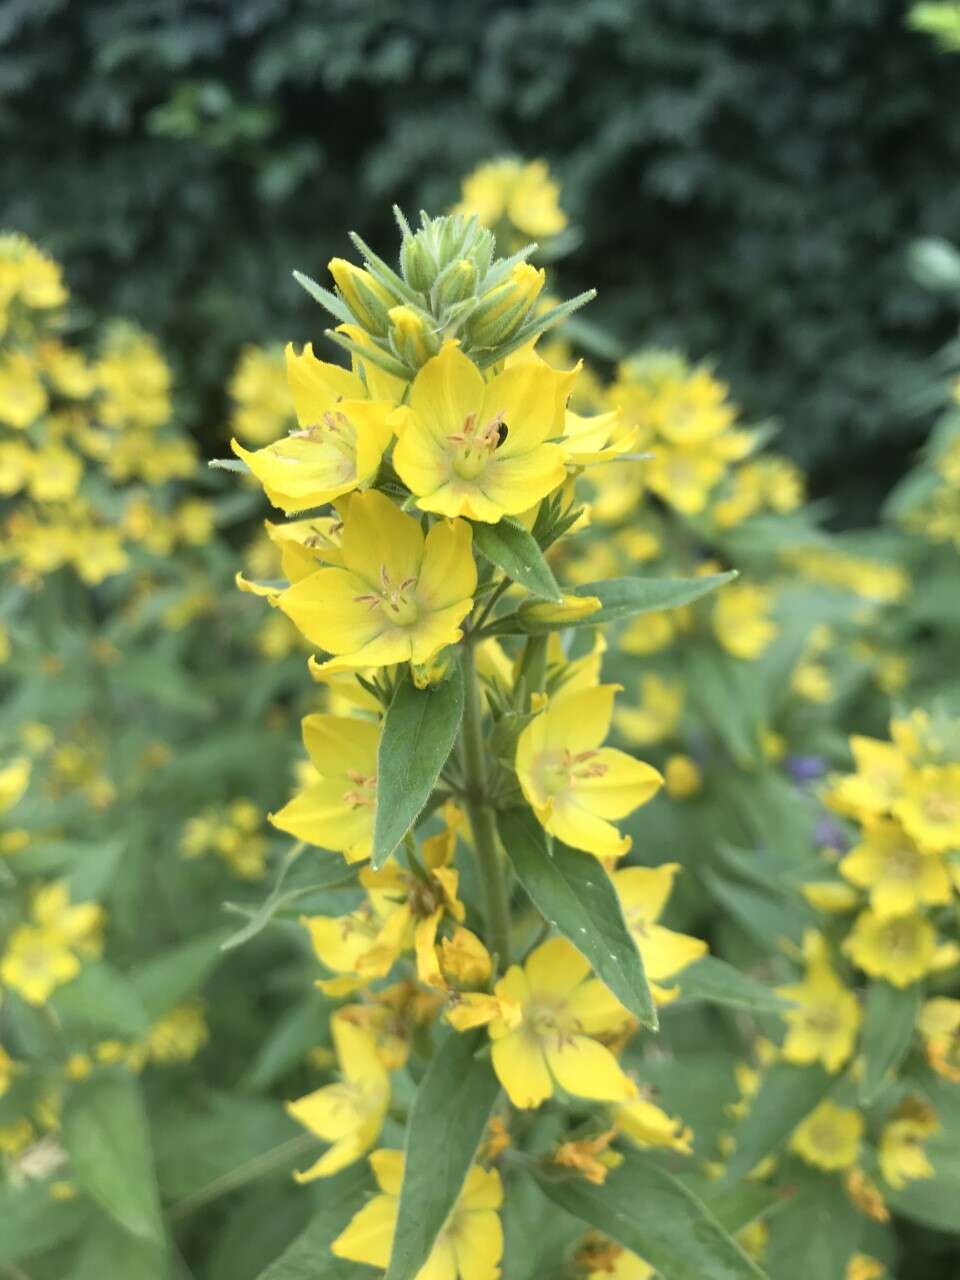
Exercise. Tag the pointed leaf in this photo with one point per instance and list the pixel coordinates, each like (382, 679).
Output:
(717, 982)
(309, 1257)
(787, 1094)
(647, 1210)
(419, 731)
(174, 975)
(511, 548)
(889, 1021)
(447, 1120)
(106, 1137)
(623, 598)
(573, 892)
(102, 1000)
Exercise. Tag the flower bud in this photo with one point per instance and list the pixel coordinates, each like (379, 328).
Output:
(458, 282)
(411, 337)
(417, 264)
(502, 311)
(367, 299)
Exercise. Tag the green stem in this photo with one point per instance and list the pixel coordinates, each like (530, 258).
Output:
(481, 815)
(251, 1170)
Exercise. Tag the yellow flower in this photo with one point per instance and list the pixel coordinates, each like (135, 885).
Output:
(55, 474)
(574, 784)
(900, 949)
(862, 1267)
(336, 809)
(929, 807)
(683, 477)
(900, 878)
(399, 597)
(601, 1259)
(829, 1137)
(469, 1246)
(36, 963)
(590, 1157)
(341, 440)
(683, 777)
(523, 194)
(262, 409)
(561, 1010)
(939, 1024)
(901, 1154)
(649, 1126)
(656, 714)
(822, 1027)
(180, 1034)
(14, 780)
(643, 894)
(79, 927)
(464, 959)
(742, 622)
(349, 1114)
(875, 785)
(22, 395)
(481, 449)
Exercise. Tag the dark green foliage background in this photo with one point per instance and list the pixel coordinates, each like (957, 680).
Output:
(748, 175)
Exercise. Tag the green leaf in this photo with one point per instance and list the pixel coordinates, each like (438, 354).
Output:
(447, 1120)
(511, 548)
(335, 875)
(109, 1251)
(573, 892)
(620, 598)
(95, 870)
(101, 1000)
(106, 1137)
(652, 1213)
(717, 982)
(329, 301)
(309, 1257)
(888, 1026)
(419, 731)
(32, 1222)
(174, 975)
(786, 1095)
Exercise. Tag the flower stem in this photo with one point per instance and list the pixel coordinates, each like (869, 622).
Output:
(481, 814)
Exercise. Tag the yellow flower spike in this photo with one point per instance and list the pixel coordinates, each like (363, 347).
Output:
(648, 1126)
(337, 809)
(643, 894)
(823, 1025)
(399, 597)
(900, 949)
(939, 1025)
(575, 785)
(898, 875)
(339, 445)
(829, 1138)
(480, 449)
(901, 1154)
(562, 1009)
(929, 807)
(350, 1114)
(469, 1246)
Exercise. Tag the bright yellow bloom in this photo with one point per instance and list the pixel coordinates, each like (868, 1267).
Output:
(939, 1024)
(349, 1114)
(336, 809)
(574, 784)
(822, 1025)
(900, 949)
(829, 1138)
(880, 771)
(899, 876)
(561, 1010)
(901, 1154)
(650, 1126)
(36, 963)
(79, 926)
(929, 807)
(657, 713)
(742, 622)
(399, 597)
(469, 1246)
(342, 437)
(55, 474)
(22, 395)
(523, 194)
(481, 449)
(643, 894)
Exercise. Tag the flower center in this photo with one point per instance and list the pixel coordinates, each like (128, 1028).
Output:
(397, 601)
(562, 771)
(475, 444)
(822, 1019)
(901, 864)
(899, 936)
(363, 793)
(941, 808)
(550, 1019)
(337, 432)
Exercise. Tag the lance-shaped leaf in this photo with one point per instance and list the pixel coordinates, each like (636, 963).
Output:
(419, 731)
(786, 1095)
(511, 548)
(716, 982)
(891, 1015)
(647, 1210)
(308, 1257)
(447, 1120)
(106, 1137)
(174, 975)
(572, 891)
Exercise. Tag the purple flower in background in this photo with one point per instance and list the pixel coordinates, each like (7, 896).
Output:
(806, 768)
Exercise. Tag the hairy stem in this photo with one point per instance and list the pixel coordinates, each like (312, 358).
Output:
(481, 814)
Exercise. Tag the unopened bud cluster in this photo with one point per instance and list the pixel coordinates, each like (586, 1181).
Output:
(449, 285)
